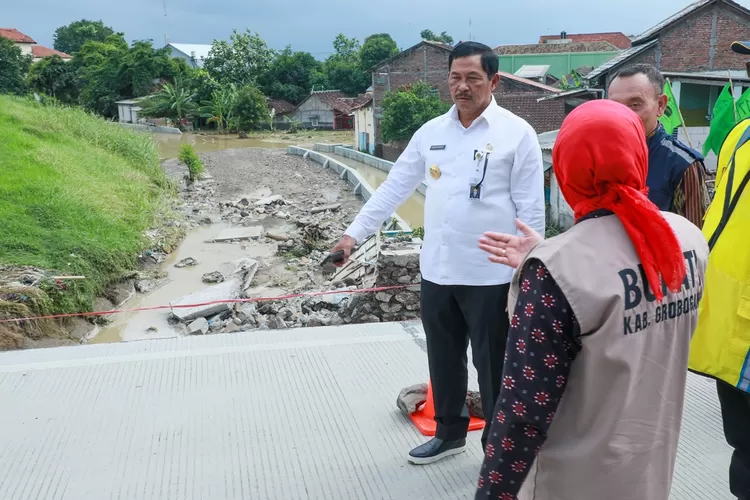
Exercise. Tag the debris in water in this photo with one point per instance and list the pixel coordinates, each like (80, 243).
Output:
(188, 262)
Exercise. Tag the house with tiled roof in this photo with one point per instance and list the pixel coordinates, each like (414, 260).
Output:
(692, 49)
(327, 109)
(29, 46)
(561, 59)
(619, 40)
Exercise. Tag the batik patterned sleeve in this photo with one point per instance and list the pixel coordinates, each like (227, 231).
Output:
(543, 341)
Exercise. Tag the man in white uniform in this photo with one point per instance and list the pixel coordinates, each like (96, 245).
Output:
(483, 168)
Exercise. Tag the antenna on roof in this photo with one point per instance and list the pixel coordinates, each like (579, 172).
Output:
(166, 39)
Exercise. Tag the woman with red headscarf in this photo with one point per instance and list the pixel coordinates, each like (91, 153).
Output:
(601, 321)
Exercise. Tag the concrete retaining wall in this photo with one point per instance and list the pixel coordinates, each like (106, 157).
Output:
(360, 186)
(369, 160)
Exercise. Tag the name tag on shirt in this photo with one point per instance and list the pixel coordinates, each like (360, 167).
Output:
(437, 147)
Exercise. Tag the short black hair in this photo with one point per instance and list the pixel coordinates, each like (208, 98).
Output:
(654, 75)
(490, 61)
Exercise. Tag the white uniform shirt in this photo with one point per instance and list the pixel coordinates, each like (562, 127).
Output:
(513, 186)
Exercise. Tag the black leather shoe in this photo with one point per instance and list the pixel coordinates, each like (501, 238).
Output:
(436, 449)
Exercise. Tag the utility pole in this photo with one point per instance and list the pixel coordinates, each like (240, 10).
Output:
(166, 39)
(470, 29)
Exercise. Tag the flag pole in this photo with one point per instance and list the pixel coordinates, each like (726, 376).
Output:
(682, 120)
(731, 92)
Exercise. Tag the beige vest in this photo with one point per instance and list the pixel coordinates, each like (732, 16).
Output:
(615, 433)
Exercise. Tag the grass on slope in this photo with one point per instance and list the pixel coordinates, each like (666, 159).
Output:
(76, 194)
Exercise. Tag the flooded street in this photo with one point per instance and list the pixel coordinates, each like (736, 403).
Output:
(169, 144)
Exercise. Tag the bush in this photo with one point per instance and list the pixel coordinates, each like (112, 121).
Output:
(251, 109)
(407, 109)
(193, 162)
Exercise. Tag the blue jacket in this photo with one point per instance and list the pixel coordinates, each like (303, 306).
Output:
(668, 159)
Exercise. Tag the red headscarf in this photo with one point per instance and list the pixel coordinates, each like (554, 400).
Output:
(601, 162)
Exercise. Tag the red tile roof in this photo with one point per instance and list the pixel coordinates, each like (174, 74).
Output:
(42, 51)
(338, 101)
(16, 36)
(280, 106)
(555, 48)
(619, 40)
(363, 101)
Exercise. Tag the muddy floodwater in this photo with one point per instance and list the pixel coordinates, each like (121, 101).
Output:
(412, 210)
(180, 282)
(169, 144)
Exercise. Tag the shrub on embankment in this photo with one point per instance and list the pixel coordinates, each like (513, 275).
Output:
(76, 195)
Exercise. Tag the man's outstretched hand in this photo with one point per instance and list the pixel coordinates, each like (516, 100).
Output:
(510, 249)
(345, 244)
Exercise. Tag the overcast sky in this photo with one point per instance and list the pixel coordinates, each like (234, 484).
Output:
(311, 25)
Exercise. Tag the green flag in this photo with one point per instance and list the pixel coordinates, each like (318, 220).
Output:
(743, 106)
(722, 121)
(671, 117)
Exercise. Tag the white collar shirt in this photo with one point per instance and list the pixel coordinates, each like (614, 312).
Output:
(442, 153)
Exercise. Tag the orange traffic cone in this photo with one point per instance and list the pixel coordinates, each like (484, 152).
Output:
(424, 418)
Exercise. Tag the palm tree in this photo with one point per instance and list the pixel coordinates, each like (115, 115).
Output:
(220, 108)
(172, 101)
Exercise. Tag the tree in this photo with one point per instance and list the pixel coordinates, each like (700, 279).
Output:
(251, 108)
(175, 102)
(344, 67)
(110, 71)
(220, 108)
(407, 109)
(432, 37)
(143, 64)
(15, 67)
(71, 38)
(100, 66)
(376, 49)
(240, 62)
(55, 77)
(292, 75)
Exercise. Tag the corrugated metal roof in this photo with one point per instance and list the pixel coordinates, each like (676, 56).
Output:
(547, 139)
(620, 59)
(723, 75)
(532, 70)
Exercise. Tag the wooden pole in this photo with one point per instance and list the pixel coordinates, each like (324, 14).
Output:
(731, 91)
(682, 120)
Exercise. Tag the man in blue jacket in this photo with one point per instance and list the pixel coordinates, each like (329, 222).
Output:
(676, 175)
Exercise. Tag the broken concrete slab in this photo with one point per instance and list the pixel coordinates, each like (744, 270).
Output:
(326, 208)
(240, 234)
(270, 200)
(198, 327)
(227, 290)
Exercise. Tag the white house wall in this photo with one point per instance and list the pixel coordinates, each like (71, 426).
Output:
(560, 212)
(697, 138)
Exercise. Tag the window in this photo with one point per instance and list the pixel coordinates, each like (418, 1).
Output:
(314, 120)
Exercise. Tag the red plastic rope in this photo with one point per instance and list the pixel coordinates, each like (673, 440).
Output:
(222, 301)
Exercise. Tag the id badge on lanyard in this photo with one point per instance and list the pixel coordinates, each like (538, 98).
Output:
(481, 159)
